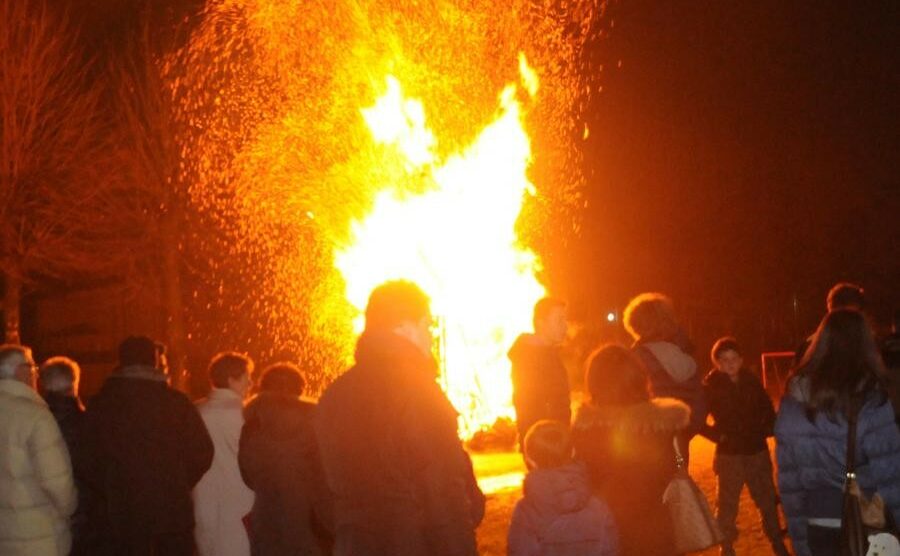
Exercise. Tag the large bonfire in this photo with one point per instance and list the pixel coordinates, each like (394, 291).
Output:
(335, 145)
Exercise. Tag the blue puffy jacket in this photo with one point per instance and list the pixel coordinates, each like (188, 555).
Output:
(812, 457)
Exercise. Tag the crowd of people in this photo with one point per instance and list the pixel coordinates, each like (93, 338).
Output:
(644, 403)
(376, 467)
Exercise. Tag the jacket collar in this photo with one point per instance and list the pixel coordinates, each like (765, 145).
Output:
(715, 377)
(144, 372)
(655, 415)
(223, 394)
(386, 351)
(57, 400)
(19, 389)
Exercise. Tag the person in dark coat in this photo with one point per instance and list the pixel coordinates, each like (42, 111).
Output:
(147, 449)
(558, 514)
(626, 439)
(539, 379)
(743, 419)
(279, 460)
(58, 379)
(843, 295)
(401, 481)
(841, 375)
(890, 351)
(666, 353)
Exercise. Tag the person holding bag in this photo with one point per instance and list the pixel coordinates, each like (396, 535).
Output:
(626, 440)
(841, 370)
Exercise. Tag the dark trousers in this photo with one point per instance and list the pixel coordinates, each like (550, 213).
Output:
(170, 544)
(823, 541)
(755, 471)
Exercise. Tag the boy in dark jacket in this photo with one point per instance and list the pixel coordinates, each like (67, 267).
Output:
(558, 516)
(744, 418)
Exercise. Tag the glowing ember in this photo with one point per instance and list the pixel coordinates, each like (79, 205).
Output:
(277, 163)
(457, 240)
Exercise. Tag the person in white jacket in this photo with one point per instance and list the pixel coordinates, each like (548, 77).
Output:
(37, 490)
(221, 499)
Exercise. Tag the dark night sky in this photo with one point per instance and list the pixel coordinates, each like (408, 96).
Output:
(743, 153)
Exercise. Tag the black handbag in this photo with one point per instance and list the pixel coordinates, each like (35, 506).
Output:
(860, 516)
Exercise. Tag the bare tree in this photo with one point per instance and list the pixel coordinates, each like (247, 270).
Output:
(58, 203)
(146, 132)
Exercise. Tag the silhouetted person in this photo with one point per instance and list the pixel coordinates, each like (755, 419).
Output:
(58, 380)
(626, 440)
(279, 460)
(539, 379)
(37, 491)
(558, 514)
(666, 353)
(148, 448)
(842, 295)
(401, 481)
(744, 418)
(841, 375)
(221, 499)
(890, 351)
(890, 346)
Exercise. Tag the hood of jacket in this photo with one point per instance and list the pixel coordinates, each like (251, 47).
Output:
(556, 491)
(394, 354)
(653, 416)
(678, 364)
(282, 417)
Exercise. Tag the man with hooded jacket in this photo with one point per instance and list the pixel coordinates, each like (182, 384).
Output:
(387, 434)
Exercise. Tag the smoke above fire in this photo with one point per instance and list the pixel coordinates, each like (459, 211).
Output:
(329, 145)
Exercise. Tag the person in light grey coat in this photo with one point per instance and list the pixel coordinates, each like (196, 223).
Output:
(37, 489)
(221, 499)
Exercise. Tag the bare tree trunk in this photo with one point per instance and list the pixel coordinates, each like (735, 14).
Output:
(172, 303)
(11, 308)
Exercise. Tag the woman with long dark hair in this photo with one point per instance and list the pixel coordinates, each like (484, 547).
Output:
(626, 440)
(840, 376)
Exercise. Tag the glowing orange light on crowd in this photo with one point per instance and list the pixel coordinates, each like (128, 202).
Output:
(457, 240)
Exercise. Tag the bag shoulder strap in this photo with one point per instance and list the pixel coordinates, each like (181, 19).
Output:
(679, 457)
(852, 417)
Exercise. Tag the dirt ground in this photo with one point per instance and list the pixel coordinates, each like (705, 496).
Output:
(500, 476)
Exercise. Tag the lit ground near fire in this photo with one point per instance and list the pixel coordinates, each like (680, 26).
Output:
(500, 476)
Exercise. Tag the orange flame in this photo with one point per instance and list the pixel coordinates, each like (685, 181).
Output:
(457, 240)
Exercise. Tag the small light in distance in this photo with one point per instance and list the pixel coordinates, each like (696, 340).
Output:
(611, 316)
